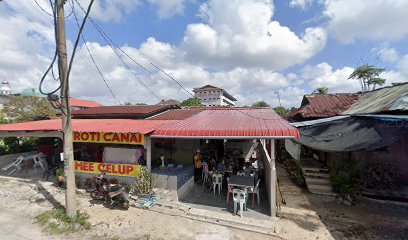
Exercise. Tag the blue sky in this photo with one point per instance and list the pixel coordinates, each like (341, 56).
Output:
(251, 48)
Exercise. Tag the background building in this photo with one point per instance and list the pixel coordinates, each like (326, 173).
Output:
(214, 96)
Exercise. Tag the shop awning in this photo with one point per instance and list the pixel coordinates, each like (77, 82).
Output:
(87, 125)
(230, 123)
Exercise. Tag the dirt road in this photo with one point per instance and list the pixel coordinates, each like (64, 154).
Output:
(21, 201)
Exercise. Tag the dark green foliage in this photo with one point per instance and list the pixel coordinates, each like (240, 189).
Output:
(260, 104)
(295, 171)
(347, 180)
(368, 76)
(321, 90)
(191, 102)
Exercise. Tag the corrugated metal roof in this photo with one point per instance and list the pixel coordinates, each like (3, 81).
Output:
(230, 122)
(324, 105)
(176, 114)
(88, 125)
(121, 112)
(318, 121)
(394, 98)
(74, 102)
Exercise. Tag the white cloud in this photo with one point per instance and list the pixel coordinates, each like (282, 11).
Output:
(108, 10)
(303, 4)
(168, 8)
(240, 33)
(389, 55)
(350, 20)
(323, 75)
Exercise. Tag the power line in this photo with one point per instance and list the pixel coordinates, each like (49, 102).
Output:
(161, 70)
(108, 41)
(92, 58)
(49, 14)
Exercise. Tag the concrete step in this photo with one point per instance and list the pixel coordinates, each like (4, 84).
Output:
(319, 187)
(312, 174)
(318, 181)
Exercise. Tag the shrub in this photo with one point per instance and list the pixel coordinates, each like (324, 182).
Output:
(346, 181)
(295, 171)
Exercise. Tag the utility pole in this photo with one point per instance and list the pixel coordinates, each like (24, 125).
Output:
(70, 201)
(277, 92)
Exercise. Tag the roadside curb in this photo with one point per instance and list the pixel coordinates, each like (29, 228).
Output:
(180, 212)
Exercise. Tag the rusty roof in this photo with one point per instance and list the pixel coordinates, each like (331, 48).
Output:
(323, 105)
(176, 114)
(387, 99)
(139, 111)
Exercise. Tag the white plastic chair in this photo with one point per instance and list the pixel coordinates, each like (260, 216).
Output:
(16, 165)
(241, 173)
(217, 180)
(205, 173)
(255, 191)
(39, 160)
(239, 197)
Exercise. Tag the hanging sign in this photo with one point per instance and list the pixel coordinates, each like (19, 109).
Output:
(126, 170)
(109, 137)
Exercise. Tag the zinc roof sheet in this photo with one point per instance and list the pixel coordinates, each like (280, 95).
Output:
(324, 105)
(176, 114)
(230, 122)
(382, 100)
(88, 125)
(106, 110)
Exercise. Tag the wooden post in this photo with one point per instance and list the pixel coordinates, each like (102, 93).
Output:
(273, 179)
(148, 145)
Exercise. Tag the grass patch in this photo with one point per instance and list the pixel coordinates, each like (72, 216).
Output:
(57, 222)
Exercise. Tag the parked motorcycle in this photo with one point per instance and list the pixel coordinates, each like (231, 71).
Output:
(110, 194)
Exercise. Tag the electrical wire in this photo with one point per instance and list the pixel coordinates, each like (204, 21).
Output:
(249, 115)
(49, 14)
(108, 41)
(93, 60)
(50, 67)
(77, 41)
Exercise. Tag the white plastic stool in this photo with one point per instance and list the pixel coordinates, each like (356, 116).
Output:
(217, 180)
(239, 197)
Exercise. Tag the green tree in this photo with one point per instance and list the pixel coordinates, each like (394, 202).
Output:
(281, 111)
(28, 108)
(191, 102)
(126, 104)
(260, 104)
(321, 90)
(369, 76)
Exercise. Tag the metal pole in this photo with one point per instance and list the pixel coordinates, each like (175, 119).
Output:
(280, 104)
(70, 202)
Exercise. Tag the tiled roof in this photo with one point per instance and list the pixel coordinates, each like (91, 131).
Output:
(88, 125)
(140, 111)
(74, 102)
(393, 98)
(176, 114)
(230, 122)
(323, 105)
